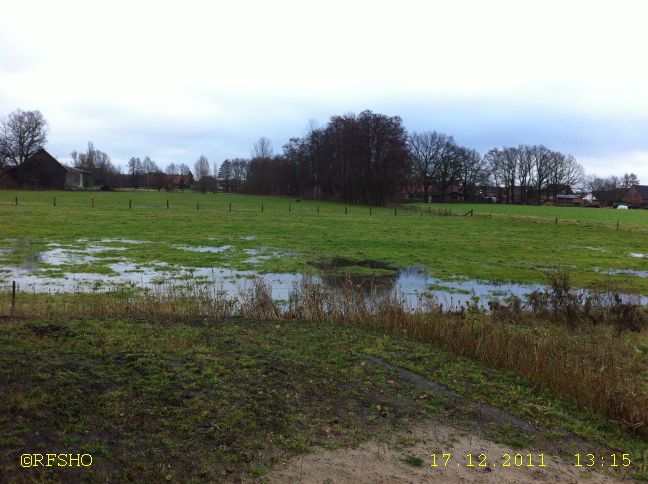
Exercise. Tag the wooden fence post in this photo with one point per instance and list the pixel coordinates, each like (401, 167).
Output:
(92, 202)
(130, 203)
(13, 296)
(16, 201)
(346, 210)
(167, 203)
(55, 201)
(556, 222)
(262, 208)
(230, 206)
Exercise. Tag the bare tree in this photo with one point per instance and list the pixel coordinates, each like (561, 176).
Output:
(98, 163)
(503, 164)
(239, 171)
(201, 169)
(425, 151)
(225, 175)
(525, 171)
(262, 148)
(629, 179)
(566, 171)
(184, 169)
(135, 171)
(149, 168)
(446, 166)
(22, 133)
(472, 171)
(543, 160)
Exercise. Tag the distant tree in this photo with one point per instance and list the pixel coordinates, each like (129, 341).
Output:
(354, 158)
(472, 171)
(135, 171)
(629, 179)
(503, 167)
(595, 183)
(262, 148)
(98, 163)
(184, 170)
(171, 169)
(225, 176)
(566, 171)
(215, 175)
(239, 172)
(447, 166)
(149, 168)
(22, 133)
(158, 180)
(525, 166)
(201, 169)
(425, 151)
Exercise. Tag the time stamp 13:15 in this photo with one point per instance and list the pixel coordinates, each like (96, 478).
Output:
(527, 460)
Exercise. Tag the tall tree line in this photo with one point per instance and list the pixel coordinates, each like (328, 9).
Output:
(354, 158)
(532, 173)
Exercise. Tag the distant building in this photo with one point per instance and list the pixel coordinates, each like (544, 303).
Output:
(609, 198)
(589, 200)
(42, 170)
(568, 200)
(637, 196)
(179, 181)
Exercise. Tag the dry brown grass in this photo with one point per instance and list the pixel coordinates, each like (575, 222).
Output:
(588, 364)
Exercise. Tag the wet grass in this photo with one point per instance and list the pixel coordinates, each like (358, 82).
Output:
(604, 217)
(212, 400)
(517, 244)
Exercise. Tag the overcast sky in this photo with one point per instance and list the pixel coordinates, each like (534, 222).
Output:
(174, 80)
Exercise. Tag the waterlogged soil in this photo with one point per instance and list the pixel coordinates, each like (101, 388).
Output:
(104, 265)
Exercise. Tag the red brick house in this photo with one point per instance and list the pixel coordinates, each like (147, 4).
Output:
(637, 196)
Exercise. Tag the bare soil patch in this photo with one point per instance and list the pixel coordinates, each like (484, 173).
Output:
(384, 462)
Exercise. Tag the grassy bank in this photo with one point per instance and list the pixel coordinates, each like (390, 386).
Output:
(517, 244)
(216, 399)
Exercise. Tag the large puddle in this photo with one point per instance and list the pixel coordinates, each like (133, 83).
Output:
(411, 283)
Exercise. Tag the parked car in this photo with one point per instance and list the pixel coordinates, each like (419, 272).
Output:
(622, 207)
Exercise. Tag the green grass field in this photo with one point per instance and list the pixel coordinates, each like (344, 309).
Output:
(515, 243)
(211, 401)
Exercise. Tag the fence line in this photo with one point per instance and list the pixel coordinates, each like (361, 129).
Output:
(438, 211)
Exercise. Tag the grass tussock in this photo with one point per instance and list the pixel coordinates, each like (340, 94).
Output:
(568, 342)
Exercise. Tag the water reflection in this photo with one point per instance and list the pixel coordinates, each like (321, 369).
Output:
(410, 284)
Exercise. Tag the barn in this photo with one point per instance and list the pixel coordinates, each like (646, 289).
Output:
(42, 170)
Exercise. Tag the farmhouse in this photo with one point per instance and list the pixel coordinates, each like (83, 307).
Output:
(42, 170)
(567, 200)
(637, 196)
(589, 200)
